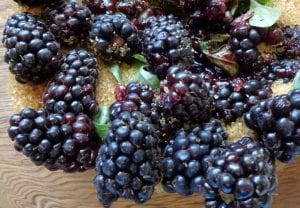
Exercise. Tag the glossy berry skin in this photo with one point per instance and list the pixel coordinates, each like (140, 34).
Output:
(69, 21)
(243, 44)
(127, 164)
(233, 97)
(32, 52)
(114, 37)
(165, 43)
(276, 120)
(184, 96)
(181, 167)
(240, 175)
(66, 142)
(73, 88)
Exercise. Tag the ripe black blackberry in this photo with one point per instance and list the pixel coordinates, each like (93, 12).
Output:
(184, 96)
(291, 41)
(131, 8)
(165, 43)
(241, 175)
(276, 120)
(57, 141)
(181, 167)
(127, 163)
(114, 37)
(284, 69)
(69, 21)
(32, 52)
(233, 97)
(73, 88)
(213, 15)
(243, 44)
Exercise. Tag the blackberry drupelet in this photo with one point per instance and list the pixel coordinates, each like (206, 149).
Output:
(291, 41)
(114, 37)
(73, 88)
(284, 70)
(184, 96)
(32, 52)
(181, 167)
(69, 21)
(57, 141)
(127, 164)
(276, 120)
(243, 44)
(165, 43)
(241, 175)
(233, 97)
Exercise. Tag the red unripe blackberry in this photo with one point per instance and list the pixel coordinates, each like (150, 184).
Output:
(32, 52)
(114, 37)
(165, 43)
(69, 21)
(73, 88)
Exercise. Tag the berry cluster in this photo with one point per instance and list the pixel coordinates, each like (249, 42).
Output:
(32, 53)
(114, 37)
(277, 120)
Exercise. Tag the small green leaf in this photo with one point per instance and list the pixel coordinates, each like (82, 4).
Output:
(115, 70)
(101, 121)
(264, 16)
(296, 82)
(140, 58)
(264, 2)
(144, 76)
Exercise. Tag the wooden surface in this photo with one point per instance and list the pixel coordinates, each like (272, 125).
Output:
(23, 185)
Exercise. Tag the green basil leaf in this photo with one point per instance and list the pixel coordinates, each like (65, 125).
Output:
(101, 121)
(115, 70)
(296, 82)
(264, 16)
(264, 2)
(140, 58)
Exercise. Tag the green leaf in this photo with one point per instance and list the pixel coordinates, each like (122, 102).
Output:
(101, 121)
(264, 2)
(115, 70)
(264, 16)
(144, 76)
(222, 57)
(296, 82)
(140, 58)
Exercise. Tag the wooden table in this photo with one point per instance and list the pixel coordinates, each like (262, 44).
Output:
(24, 185)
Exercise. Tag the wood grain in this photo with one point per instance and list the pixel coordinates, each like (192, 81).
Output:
(24, 185)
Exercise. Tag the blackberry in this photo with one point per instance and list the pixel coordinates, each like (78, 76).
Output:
(57, 141)
(131, 8)
(32, 52)
(233, 97)
(166, 43)
(243, 44)
(69, 21)
(184, 96)
(285, 70)
(127, 163)
(291, 41)
(241, 175)
(213, 15)
(276, 120)
(181, 167)
(73, 88)
(114, 37)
